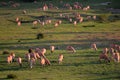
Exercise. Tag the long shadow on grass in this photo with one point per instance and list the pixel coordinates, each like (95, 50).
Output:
(81, 63)
(109, 78)
(9, 69)
(4, 79)
(81, 44)
(21, 21)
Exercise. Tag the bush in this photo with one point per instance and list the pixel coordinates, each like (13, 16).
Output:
(40, 35)
(11, 76)
(5, 52)
(89, 26)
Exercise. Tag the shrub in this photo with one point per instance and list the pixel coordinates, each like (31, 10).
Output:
(89, 26)
(40, 35)
(11, 76)
(5, 52)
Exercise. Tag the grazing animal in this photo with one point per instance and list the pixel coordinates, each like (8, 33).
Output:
(17, 19)
(52, 48)
(86, 8)
(71, 49)
(70, 20)
(13, 56)
(42, 23)
(105, 50)
(27, 56)
(59, 22)
(93, 46)
(81, 19)
(61, 15)
(35, 23)
(32, 62)
(42, 61)
(19, 60)
(4, 4)
(116, 56)
(43, 56)
(45, 7)
(24, 12)
(56, 24)
(75, 23)
(15, 5)
(33, 57)
(9, 59)
(19, 23)
(47, 62)
(111, 51)
(60, 58)
(88, 17)
(94, 17)
(104, 56)
(43, 51)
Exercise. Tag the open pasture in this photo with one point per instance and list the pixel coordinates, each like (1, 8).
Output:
(83, 65)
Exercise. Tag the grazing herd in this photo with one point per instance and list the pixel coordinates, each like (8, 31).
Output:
(73, 18)
(107, 55)
(37, 55)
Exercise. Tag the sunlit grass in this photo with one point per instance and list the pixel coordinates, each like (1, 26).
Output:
(83, 65)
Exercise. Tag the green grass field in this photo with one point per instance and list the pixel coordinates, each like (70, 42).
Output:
(83, 65)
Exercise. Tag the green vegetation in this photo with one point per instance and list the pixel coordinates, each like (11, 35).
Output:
(83, 65)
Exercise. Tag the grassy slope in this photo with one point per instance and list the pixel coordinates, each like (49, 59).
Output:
(80, 66)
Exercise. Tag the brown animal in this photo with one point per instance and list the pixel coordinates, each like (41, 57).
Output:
(24, 12)
(19, 61)
(105, 50)
(27, 56)
(19, 23)
(93, 46)
(94, 17)
(17, 19)
(32, 62)
(42, 62)
(9, 59)
(43, 51)
(60, 58)
(52, 48)
(75, 23)
(45, 7)
(56, 24)
(13, 56)
(117, 57)
(104, 56)
(35, 23)
(70, 49)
